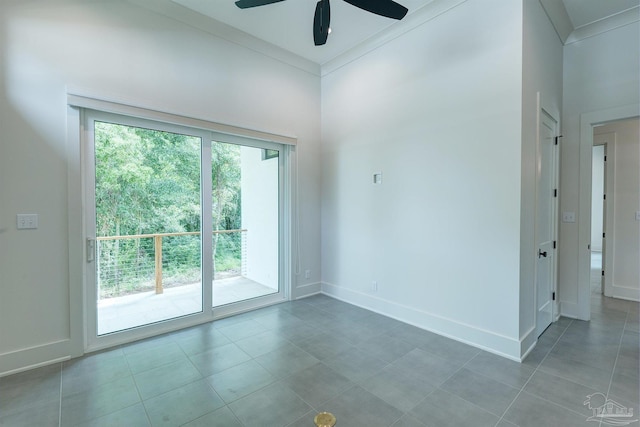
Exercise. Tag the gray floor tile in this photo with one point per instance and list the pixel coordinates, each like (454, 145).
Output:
(286, 360)
(355, 364)
(560, 391)
(183, 405)
(26, 389)
(99, 401)
(444, 409)
(44, 414)
(275, 405)
(222, 417)
(386, 348)
(357, 407)
(201, 340)
(262, 343)
(531, 411)
(305, 421)
(241, 330)
(278, 320)
(408, 421)
(500, 369)
(93, 370)
(150, 358)
(449, 349)
(218, 359)
(166, 378)
(134, 416)
(240, 380)
(325, 346)
(425, 366)
(403, 393)
(317, 384)
(577, 372)
(387, 373)
(490, 395)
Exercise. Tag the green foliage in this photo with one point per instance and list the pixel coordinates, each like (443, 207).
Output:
(148, 182)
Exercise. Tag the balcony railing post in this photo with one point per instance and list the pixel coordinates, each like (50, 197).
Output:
(158, 249)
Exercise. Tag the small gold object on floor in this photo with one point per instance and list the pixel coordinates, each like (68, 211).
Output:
(325, 419)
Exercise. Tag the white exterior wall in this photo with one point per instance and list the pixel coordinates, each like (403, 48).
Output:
(601, 78)
(125, 52)
(260, 216)
(438, 112)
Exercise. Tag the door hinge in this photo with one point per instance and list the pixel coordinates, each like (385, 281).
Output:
(603, 272)
(605, 158)
(557, 139)
(553, 296)
(589, 246)
(555, 192)
(604, 196)
(603, 235)
(554, 244)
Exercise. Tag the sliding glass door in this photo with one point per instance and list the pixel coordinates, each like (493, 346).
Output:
(183, 225)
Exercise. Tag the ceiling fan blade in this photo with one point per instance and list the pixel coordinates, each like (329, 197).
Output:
(245, 4)
(321, 21)
(388, 8)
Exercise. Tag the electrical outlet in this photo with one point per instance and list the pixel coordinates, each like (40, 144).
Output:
(637, 215)
(374, 286)
(26, 221)
(307, 274)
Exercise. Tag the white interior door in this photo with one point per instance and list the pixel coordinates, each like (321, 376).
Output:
(545, 231)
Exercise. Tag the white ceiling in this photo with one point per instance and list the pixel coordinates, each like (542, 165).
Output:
(288, 24)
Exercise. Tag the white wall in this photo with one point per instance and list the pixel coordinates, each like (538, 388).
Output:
(438, 112)
(600, 75)
(260, 216)
(122, 51)
(597, 194)
(626, 202)
(541, 88)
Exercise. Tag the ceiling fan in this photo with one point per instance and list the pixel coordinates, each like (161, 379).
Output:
(388, 8)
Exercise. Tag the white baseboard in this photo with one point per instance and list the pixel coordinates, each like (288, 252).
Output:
(34, 357)
(306, 290)
(468, 334)
(622, 292)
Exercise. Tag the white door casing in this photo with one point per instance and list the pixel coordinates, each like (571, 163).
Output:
(545, 220)
(608, 140)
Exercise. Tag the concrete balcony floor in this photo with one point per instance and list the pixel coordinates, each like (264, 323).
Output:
(119, 313)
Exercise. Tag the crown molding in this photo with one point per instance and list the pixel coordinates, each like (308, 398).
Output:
(612, 22)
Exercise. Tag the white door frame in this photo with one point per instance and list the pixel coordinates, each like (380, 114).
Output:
(553, 115)
(85, 338)
(587, 122)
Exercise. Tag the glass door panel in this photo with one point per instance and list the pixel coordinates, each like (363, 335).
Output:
(147, 223)
(246, 201)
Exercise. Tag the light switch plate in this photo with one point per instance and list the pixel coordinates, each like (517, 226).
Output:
(26, 221)
(568, 217)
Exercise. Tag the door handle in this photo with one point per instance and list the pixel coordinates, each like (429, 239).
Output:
(91, 249)
(542, 254)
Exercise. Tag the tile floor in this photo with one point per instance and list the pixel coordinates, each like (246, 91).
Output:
(280, 365)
